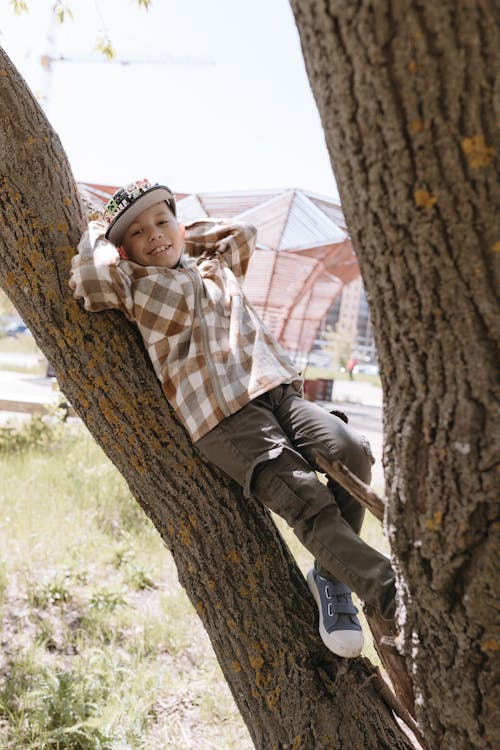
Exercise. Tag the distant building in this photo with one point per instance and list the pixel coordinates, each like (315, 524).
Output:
(350, 317)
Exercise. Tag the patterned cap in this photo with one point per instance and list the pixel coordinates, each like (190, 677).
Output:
(128, 202)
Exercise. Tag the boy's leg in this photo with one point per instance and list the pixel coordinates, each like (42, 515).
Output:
(338, 551)
(252, 447)
(312, 430)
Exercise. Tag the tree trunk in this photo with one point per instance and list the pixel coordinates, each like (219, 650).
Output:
(406, 91)
(237, 571)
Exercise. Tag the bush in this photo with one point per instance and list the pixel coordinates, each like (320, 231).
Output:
(47, 708)
(42, 432)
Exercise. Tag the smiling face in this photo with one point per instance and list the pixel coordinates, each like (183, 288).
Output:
(155, 238)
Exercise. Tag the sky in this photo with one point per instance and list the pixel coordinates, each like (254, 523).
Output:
(243, 118)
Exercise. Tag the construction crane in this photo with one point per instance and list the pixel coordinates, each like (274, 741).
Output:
(51, 57)
(107, 56)
(46, 61)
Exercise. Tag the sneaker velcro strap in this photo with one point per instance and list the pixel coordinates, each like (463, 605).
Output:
(342, 608)
(340, 589)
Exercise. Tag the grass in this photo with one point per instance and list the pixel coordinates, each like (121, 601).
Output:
(24, 343)
(38, 368)
(313, 373)
(101, 649)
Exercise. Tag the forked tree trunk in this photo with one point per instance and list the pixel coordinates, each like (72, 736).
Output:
(409, 96)
(231, 560)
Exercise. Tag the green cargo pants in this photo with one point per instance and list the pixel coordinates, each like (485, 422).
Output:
(268, 447)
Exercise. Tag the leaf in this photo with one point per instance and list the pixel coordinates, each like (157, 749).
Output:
(62, 11)
(105, 46)
(19, 6)
(146, 4)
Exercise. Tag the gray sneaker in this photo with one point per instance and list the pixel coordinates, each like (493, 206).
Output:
(339, 627)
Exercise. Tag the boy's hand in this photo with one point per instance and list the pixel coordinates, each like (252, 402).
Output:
(105, 254)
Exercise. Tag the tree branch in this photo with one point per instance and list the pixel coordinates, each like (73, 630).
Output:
(358, 489)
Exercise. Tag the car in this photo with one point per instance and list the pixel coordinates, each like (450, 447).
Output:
(366, 369)
(16, 328)
(5, 322)
(319, 358)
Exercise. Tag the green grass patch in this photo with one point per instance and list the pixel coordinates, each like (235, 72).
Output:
(103, 648)
(40, 368)
(314, 373)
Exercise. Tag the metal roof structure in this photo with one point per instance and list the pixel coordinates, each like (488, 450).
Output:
(303, 257)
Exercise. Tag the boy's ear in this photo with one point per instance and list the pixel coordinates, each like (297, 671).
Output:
(182, 230)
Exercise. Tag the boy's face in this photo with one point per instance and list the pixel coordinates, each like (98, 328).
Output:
(155, 238)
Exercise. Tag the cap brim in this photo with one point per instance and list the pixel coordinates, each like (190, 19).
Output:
(119, 226)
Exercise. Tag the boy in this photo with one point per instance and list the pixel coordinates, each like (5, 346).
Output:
(234, 388)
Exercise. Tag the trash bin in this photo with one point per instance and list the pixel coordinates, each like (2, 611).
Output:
(318, 390)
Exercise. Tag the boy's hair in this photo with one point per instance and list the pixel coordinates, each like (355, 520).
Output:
(128, 202)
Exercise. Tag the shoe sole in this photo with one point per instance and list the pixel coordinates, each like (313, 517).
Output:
(338, 649)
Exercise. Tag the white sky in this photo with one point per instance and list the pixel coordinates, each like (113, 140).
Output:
(247, 122)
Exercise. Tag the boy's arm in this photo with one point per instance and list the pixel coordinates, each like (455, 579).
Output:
(95, 275)
(234, 242)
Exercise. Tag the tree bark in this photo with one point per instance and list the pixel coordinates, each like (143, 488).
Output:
(408, 93)
(236, 569)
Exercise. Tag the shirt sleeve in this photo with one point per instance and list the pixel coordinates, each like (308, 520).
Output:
(233, 242)
(96, 276)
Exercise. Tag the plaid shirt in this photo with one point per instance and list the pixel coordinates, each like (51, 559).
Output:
(210, 351)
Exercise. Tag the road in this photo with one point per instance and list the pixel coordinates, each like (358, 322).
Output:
(367, 420)
(361, 416)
